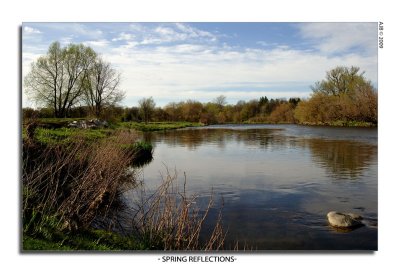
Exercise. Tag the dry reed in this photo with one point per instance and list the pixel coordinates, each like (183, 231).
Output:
(76, 182)
(73, 185)
(171, 220)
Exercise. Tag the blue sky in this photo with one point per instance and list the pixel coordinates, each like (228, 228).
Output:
(243, 61)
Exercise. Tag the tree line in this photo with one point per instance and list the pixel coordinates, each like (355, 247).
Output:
(262, 110)
(74, 81)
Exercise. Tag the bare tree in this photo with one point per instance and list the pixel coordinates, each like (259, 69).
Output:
(56, 80)
(220, 101)
(146, 106)
(102, 87)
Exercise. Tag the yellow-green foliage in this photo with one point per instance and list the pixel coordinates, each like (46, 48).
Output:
(283, 113)
(344, 97)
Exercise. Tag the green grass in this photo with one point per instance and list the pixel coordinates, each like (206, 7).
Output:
(342, 123)
(93, 239)
(352, 123)
(66, 135)
(55, 130)
(157, 126)
(48, 235)
(143, 146)
(151, 126)
(143, 153)
(30, 243)
(59, 120)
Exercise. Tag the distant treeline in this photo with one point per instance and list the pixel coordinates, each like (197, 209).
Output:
(262, 110)
(344, 97)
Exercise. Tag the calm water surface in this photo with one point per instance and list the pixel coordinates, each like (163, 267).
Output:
(276, 182)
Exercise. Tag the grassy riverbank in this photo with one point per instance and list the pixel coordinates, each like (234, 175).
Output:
(92, 239)
(158, 126)
(55, 123)
(340, 123)
(53, 130)
(72, 183)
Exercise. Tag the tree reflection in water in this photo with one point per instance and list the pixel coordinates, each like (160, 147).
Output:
(341, 158)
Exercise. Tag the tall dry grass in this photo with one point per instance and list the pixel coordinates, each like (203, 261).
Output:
(172, 220)
(75, 182)
(76, 185)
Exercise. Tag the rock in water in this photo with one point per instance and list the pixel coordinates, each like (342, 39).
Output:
(344, 220)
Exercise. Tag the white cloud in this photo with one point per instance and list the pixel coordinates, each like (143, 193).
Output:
(137, 27)
(341, 37)
(31, 30)
(97, 43)
(84, 31)
(195, 33)
(170, 33)
(166, 31)
(130, 44)
(78, 30)
(186, 71)
(27, 59)
(124, 37)
(66, 40)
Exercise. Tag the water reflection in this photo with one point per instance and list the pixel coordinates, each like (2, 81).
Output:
(340, 158)
(276, 181)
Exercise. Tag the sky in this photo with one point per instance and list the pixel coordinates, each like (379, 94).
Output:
(175, 62)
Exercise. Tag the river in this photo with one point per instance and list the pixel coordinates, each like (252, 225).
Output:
(276, 183)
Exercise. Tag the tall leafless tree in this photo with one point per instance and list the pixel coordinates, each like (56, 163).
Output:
(146, 108)
(102, 87)
(220, 101)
